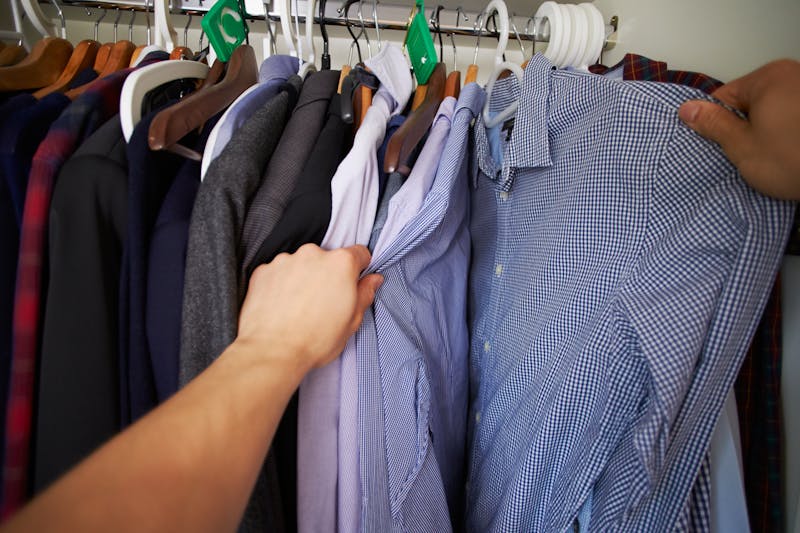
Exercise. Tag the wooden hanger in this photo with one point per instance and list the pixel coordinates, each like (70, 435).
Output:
(215, 74)
(362, 99)
(172, 124)
(83, 57)
(181, 52)
(103, 53)
(407, 137)
(11, 55)
(118, 59)
(452, 87)
(40, 68)
(342, 75)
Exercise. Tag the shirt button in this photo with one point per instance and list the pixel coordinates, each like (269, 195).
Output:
(486, 346)
(503, 196)
(498, 270)
(478, 417)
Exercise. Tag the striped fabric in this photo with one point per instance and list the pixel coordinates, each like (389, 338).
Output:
(619, 269)
(412, 356)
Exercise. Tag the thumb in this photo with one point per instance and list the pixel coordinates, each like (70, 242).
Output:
(716, 123)
(367, 287)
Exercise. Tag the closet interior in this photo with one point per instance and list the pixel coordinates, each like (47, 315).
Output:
(588, 322)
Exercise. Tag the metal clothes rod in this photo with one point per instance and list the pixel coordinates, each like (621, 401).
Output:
(341, 21)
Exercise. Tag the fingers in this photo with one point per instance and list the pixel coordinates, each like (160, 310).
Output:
(736, 93)
(716, 123)
(366, 289)
(360, 255)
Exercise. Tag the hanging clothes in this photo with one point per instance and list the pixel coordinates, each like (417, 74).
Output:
(79, 398)
(412, 347)
(272, 74)
(81, 118)
(280, 177)
(757, 387)
(213, 288)
(329, 394)
(165, 270)
(150, 173)
(634, 350)
(308, 209)
(24, 128)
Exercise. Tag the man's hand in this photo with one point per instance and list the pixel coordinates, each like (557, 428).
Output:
(306, 305)
(766, 147)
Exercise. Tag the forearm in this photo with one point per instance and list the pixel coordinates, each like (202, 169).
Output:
(190, 465)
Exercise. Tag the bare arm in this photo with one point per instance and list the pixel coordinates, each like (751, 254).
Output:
(765, 147)
(191, 464)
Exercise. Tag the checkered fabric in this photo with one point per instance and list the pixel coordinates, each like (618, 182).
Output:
(619, 268)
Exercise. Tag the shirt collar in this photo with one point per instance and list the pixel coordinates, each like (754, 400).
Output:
(528, 146)
(278, 67)
(392, 70)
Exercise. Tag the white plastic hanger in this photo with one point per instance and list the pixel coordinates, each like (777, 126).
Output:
(578, 35)
(145, 79)
(559, 37)
(596, 35)
(268, 42)
(150, 46)
(499, 64)
(307, 64)
(292, 35)
(17, 34)
(166, 35)
(43, 25)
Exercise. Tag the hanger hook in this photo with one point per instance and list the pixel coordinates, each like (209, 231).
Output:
(97, 22)
(297, 31)
(377, 26)
(493, 10)
(130, 24)
(61, 17)
(116, 23)
(461, 13)
(531, 20)
(364, 27)
(344, 10)
(478, 28)
(326, 56)
(434, 20)
(186, 31)
(516, 33)
(455, 52)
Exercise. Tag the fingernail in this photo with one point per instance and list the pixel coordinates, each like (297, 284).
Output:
(688, 112)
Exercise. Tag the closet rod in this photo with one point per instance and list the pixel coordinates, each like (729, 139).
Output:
(340, 21)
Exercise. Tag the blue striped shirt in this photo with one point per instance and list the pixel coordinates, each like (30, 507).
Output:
(619, 268)
(412, 356)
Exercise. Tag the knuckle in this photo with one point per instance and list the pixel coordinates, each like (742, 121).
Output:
(307, 249)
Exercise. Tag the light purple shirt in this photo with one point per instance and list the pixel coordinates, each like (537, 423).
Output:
(407, 202)
(328, 482)
(273, 72)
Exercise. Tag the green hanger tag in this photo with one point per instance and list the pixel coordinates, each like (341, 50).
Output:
(419, 43)
(225, 27)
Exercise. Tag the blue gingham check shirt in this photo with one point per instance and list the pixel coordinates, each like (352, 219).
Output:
(619, 268)
(412, 355)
